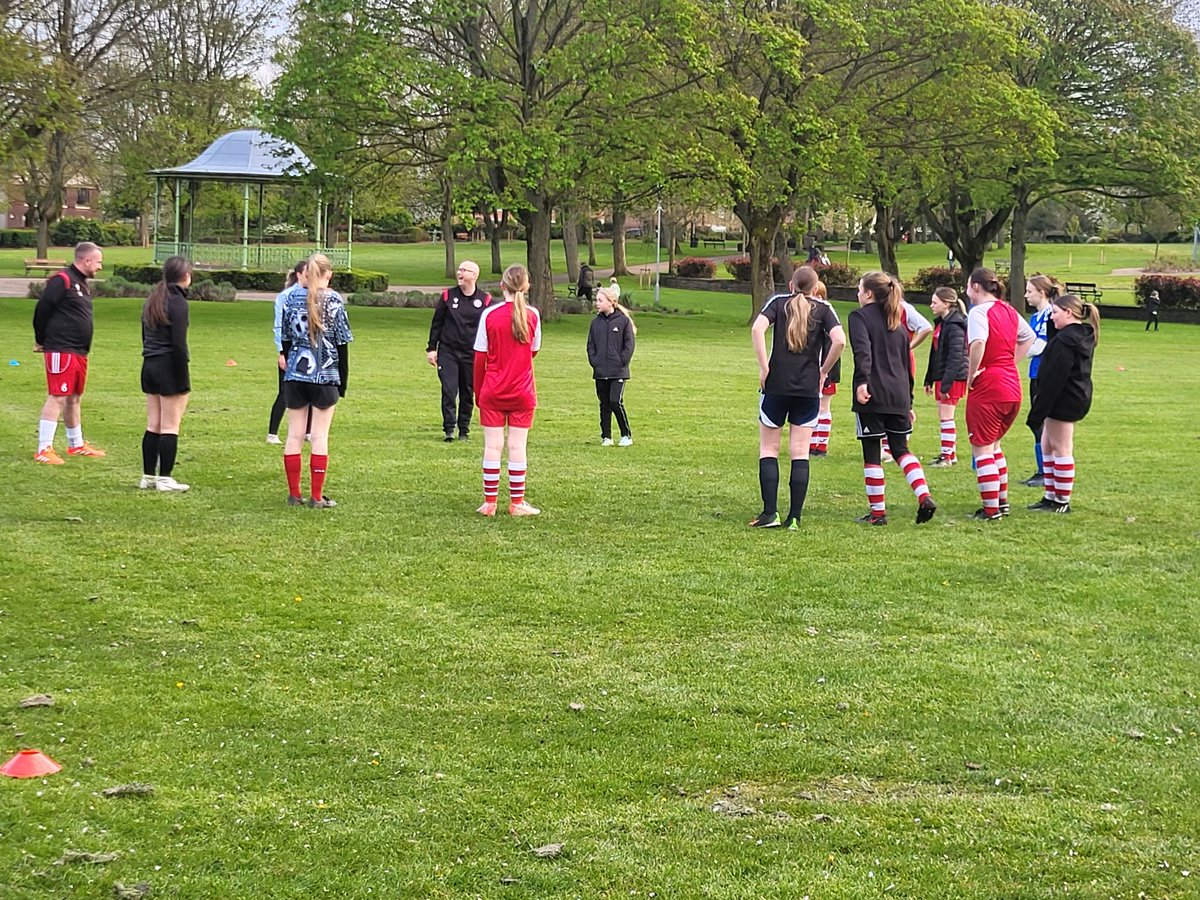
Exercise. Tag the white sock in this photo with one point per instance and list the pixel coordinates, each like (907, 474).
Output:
(75, 436)
(46, 429)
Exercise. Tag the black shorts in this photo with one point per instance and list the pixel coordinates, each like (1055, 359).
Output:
(801, 412)
(298, 394)
(159, 377)
(877, 425)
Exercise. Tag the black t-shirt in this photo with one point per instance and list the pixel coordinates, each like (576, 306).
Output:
(797, 374)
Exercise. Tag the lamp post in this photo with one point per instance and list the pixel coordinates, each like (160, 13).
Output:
(657, 248)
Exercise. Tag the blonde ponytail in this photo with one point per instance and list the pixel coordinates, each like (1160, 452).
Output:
(318, 268)
(516, 284)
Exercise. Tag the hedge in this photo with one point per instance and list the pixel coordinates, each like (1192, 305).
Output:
(838, 274)
(69, 231)
(739, 268)
(1174, 291)
(695, 267)
(345, 281)
(929, 280)
(18, 237)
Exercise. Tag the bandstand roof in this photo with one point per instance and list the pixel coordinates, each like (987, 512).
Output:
(246, 155)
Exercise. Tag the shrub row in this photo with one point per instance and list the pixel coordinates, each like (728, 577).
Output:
(345, 281)
(1174, 291)
(929, 280)
(394, 300)
(116, 286)
(71, 230)
(834, 274)
(695, 267)
(412, 235)
(18, 237)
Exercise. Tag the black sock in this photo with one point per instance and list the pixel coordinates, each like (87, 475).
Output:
(149, 452)
(168, 446)
(768, 483)
(798, 484)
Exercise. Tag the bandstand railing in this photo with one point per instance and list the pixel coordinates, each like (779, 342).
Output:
(237, 256)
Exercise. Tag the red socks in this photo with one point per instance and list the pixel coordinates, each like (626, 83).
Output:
(317, 465)
(291, 467)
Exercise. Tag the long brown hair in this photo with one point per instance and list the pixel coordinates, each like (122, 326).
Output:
(1081, 311)
(154, 313)
(319, 266)
(950, 295)
(516, 282)
(1048, 286)
(988, 281)
(293, 276)
(886, 291)
(799, 307)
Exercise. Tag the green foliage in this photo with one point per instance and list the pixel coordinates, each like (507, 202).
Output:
(838, 274)
(739, 268)
(344, 280)
(68, 231)
(696, 267)
(218, 292)
(1174, 291)
(930, 279)
(18, 237)
(394, 300)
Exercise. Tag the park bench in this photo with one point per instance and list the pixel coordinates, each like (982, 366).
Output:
(713, 242)
(1002, 266)
(43, 265)
(1084, 290)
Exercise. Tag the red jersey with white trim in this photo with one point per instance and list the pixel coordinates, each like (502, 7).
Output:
(503, 365)
(1001, 329)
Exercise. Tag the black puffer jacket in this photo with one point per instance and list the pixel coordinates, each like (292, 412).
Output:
(1065, 376)
(948, 359)
(610, 345)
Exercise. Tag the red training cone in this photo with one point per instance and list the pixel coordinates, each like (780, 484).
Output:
(29, 764)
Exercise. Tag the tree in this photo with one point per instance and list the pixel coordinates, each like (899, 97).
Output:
(1159, 220)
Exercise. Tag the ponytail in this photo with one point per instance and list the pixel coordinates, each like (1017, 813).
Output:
(887, 292)
(154, 313)
(319, 267)
(1081, 311)
(798, 309)
(988, 281)
(293, 276)
(1050, 287)
(950, 295)
(607, 292)
(515, 283)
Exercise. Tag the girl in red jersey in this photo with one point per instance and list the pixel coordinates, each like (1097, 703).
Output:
(820, 437)
(509, 337)
(946, 377)
(996, 338)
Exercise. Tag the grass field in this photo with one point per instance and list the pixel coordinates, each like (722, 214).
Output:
(396, 698)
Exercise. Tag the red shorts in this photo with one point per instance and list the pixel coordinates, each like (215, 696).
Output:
(66, 373)
(958, 390)
(495, 418)
(988, 422)
(830, 389)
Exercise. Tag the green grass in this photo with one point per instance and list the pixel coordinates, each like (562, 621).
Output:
(376, 700)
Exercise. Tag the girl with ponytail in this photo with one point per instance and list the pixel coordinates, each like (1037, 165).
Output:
(610, 345)
(509, 337)
(1040, 290)
(946, 377)
(315, 375)
(165, 378)
(790, 381)
(1064, 395)
(883, 388)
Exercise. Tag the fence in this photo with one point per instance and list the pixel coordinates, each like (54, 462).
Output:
(235, 256)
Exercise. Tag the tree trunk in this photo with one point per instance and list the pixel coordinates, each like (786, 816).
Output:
(618, 240)
(965, 230)
(1016, 272)
(885, 244)
(591, 242)
(781, 253)
(672, 244)
(448, 226)
(760, 227)
(537, 246)
(570, 238)
(494, 240)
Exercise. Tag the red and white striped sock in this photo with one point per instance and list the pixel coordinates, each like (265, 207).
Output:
(491, 480)
(989, 483)
(1001, 476)
(1049, 482)
(873, 478)
(516, 482)
(883, 446)
(820, 435)
(949, 439)
(914, 475)
(1064, 478)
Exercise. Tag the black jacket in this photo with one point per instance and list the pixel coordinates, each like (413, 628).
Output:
(587, 283)
(1065, 376)
(62, 319)
(882, 362)
(456, 319)
(610, 345)
(170, 339)
(948, 360)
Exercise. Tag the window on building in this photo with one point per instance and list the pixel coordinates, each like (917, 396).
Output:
(83, 197)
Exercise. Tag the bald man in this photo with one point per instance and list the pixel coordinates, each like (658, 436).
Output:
(451, 347)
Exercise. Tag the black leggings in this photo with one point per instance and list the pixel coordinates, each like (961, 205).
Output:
(611, 394)
(278, 407)
(872, 448)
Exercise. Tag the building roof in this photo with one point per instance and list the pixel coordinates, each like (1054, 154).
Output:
(245, 155)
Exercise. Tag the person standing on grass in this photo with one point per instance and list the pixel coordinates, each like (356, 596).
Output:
(996, 338)
(819, 446)
(62, 330)
(295, 278)
(165, 379)
(1064, 395)
(1152, 305)
(883, 392)
(451, 339)
(318, 367)
(509, 337)
(790, 381)
(946, 377)
(917, 327)
(610, 345)
(587, 283)
(1040, 290)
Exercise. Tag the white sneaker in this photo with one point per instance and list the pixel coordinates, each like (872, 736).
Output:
(166, 483)
(273, 439)
(606, 442)
(148, 482)
(308, 438)
(626, 441)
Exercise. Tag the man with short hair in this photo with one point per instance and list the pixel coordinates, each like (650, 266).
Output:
(62, 330)
(451, 347)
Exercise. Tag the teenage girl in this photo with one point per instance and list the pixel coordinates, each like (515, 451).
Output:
(1064, 394)
(791, 381)
(917, 327)
(282, 348)
(1040, 290)
(996, 338)
(820, 438)
(318, 366)
(883, 389)
(509, 337)
(165, 378)
(946, 377)
(610, 346)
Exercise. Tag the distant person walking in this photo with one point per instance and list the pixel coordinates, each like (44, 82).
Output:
(165, 378)
(610, 346)
(295, 278)
(586, 288)
(451, 347)
(1152, 305)
(62, 330)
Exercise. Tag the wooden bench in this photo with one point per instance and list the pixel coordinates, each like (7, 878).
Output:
(43, 265)
(1002, 266)
(1084, 290)
(713, 242)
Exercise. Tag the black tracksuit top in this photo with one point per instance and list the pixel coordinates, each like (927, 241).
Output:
(610, 345)
(948, 360)
(1065, 376)
(456, 319)
(882, 361)
(62, 319)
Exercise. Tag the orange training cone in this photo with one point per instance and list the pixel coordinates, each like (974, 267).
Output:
(29, 764)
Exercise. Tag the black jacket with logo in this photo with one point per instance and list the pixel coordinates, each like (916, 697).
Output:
(610, 345)
(62, 319)
(882, 362)
(456, 319)
(1065, 376)
(948, 354)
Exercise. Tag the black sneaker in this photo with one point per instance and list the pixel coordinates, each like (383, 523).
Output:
(817, 454)
(1036, 480)
(791, 523)
(1043, 505)
(1005, 509)
(925, 509)
(762, 520)
(449, 438)
(464, 435)
(872, 519)
(1061, 508)
(295, 501)
(984, 516)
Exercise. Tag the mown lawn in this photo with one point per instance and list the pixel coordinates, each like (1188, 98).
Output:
(396, 698)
